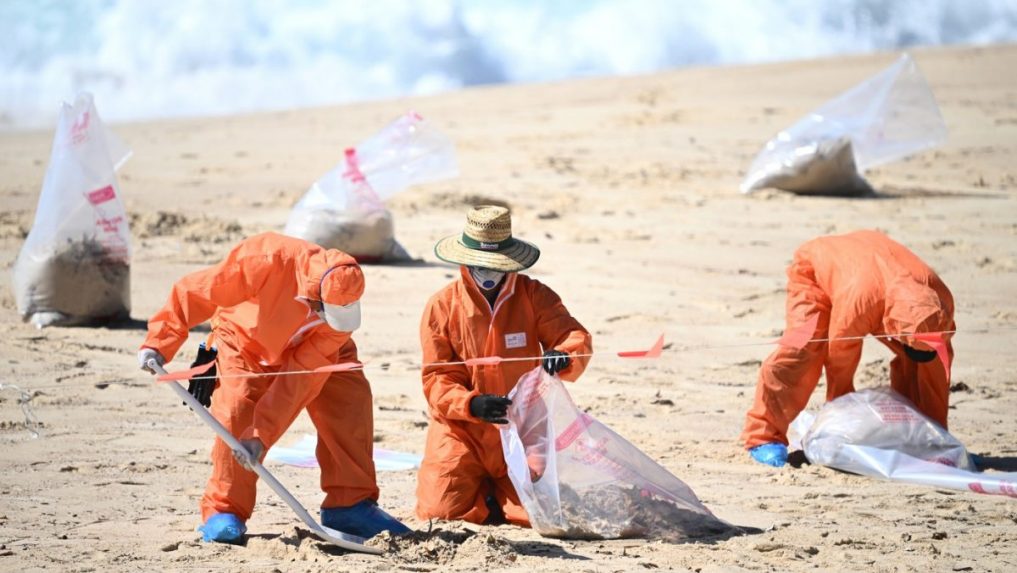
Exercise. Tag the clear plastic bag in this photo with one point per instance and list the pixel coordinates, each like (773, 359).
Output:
(74, 267)
(880, 419)
(885, 118)
(345, 210)
(879, 433)
(578, 479)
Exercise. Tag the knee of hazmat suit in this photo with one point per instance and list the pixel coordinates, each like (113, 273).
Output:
(525, 319)
(260, 298)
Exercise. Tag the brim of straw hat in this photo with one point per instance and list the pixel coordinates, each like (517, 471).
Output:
(520, 255)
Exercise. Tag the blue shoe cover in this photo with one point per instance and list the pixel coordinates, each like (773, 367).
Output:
(223, 528)
(772, 454)
(364, 519)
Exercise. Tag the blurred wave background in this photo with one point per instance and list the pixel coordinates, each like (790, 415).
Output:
(146, 59)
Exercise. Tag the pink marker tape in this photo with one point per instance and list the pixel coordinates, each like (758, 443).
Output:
(936, 341)
(185, 374)
(484, 361)
(800, 335)
(353, 172)
(340, 367)
(653, 352)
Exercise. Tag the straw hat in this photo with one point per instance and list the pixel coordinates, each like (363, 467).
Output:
(487, 242)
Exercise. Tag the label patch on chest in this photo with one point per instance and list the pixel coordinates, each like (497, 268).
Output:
(515, 340)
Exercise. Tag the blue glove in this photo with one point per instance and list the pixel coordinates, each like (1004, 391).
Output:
(772, 454)
(223, 528)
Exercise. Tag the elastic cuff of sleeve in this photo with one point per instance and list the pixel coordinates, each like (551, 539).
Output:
(467, 414)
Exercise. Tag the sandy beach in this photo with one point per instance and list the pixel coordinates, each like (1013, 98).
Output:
(630, 188)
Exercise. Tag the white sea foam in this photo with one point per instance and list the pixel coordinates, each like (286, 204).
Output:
(147, 59)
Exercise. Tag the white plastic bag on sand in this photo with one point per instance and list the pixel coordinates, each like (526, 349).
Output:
(344, 209)
(887, 117)
(303, 454)
(74, 267)
(578, 479)
(879, 433)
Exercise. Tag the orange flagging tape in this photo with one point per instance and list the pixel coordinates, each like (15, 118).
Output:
(340, 367)
(653, 352)
(185, 374)
(487, 361)
(935, 340)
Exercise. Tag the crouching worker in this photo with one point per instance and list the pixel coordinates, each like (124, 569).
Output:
(858, 284)
(280, 304)
(490, 310)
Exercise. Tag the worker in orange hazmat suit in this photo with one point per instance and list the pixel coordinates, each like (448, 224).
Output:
(858, 284)
(490, 310)
(280, 304)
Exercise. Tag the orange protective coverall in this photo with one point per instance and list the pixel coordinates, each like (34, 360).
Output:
(463, 461)
(860, 283)
(261, 325)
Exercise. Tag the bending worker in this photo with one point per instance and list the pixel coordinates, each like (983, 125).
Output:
(490, 310)
(858, 284)
(280, 304)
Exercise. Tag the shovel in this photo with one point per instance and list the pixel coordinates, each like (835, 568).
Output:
(326, 534)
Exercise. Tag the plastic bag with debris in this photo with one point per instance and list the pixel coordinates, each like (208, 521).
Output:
(885, 118)
(865, 431)
(879, 433)
(578, 479)
(345, 210)
(74, 267)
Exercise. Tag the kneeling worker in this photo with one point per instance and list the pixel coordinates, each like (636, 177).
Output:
(490, 310)
(858, 284)
(280, 304)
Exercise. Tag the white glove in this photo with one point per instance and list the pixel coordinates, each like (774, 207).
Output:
(253, 451)
(146, 354)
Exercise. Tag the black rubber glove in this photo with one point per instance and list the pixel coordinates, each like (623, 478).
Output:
(919, 355)
(555, 361)
(202, 389)
(490, 408)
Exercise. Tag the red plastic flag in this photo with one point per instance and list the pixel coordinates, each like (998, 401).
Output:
(936, 341)
(185, 374)
(653, 352)
(800, 335)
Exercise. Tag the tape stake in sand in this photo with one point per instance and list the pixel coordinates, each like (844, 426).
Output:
(653, 352)
(935, 340)
(800, 335)
(185, 374)
(32, 424)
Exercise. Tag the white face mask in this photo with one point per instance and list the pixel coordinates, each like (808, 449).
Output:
(341, 318)
(486, 279)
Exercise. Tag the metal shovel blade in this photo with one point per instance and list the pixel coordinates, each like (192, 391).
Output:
(326, 534)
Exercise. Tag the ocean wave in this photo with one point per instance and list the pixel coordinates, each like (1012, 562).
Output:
(147, 60)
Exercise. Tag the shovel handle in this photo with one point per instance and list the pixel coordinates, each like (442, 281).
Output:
(259, 469)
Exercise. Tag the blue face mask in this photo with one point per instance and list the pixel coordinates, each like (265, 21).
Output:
(486, 279)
